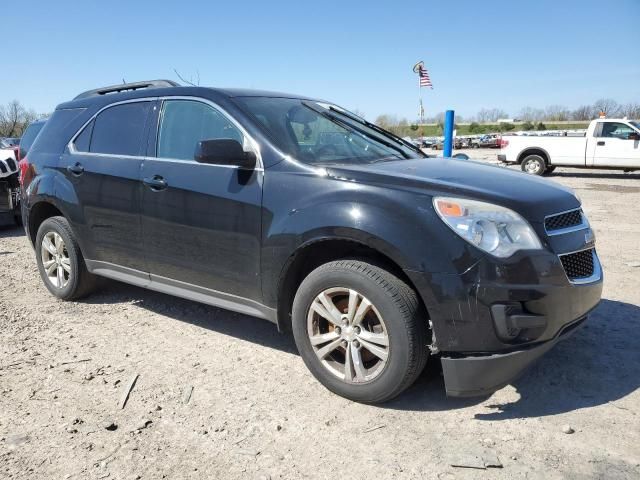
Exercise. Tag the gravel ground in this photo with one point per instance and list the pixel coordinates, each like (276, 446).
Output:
(221, 395)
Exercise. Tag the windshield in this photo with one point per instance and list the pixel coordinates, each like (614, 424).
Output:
(316, 134)
(635, 124)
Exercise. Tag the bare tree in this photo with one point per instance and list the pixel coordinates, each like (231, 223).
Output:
(10, 118)
(483, 116)
(557, 113)
(491, 115)
(386, 121)
(530, 114)
(583, 112)
(14, 119)
(631, 110)
(608, 106)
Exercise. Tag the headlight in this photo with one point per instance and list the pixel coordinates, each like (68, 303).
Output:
(494, 229)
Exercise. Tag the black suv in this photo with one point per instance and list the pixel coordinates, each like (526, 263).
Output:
(300, 212)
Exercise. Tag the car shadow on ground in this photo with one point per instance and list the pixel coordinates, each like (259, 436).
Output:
(598, 364)
(243, 327)
(11, 231)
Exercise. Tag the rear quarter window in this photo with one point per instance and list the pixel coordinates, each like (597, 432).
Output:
(58, 130)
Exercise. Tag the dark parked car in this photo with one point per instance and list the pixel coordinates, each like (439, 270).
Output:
(294, 210)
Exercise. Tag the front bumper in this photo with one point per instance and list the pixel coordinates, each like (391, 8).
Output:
(472, 376)
(494, 320)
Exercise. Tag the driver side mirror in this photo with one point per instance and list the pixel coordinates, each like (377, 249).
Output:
(634, 136)
(224, 152)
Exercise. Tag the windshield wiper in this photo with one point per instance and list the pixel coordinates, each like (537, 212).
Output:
(378, 129)
(325, 113)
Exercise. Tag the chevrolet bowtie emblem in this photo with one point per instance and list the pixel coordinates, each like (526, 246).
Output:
(589, 237)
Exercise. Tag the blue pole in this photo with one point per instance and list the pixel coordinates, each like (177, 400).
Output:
(448, 133)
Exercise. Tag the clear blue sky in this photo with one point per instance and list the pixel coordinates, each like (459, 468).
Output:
(359, 54)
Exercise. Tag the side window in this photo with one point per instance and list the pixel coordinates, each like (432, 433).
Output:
(184, 123)
(616, 130)
(119, 130)
(82, 141)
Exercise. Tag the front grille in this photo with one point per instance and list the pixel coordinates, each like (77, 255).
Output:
(563, 220)
(578, 265)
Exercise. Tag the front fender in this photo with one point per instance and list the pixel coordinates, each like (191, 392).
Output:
(302, 208)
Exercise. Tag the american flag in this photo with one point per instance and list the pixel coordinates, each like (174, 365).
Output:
(425, 81)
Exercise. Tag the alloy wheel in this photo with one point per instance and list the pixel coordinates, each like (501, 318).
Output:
(55, 259)
(348, 335)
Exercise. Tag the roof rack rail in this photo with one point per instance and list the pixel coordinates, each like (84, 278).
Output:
(123, 87)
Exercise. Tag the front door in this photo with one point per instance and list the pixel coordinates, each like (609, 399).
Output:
(201, 223)
(102, 166)
(613, 147)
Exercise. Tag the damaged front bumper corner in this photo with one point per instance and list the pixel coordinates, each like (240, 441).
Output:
(471, 376)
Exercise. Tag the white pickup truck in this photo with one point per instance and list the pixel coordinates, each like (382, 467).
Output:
(608, 143)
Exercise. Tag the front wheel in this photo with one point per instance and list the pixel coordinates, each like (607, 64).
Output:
(533, 165)
(360, 330)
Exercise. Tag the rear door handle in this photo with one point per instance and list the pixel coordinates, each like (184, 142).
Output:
(601, 144)
(76, 169)
(155, 183)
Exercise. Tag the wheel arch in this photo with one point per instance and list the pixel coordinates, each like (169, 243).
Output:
(38, 213)
(314, 253)
(534, 151)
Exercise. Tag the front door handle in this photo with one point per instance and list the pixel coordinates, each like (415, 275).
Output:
(600, 143)
(155, 183)
(76, 169)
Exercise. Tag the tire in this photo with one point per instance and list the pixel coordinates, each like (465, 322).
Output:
(534, 165)
(549, 169)
(401, 320)
(75, 281)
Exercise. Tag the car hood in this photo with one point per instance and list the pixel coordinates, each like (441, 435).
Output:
(532, 197)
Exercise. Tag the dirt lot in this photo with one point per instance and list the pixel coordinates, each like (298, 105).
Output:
(255, 412)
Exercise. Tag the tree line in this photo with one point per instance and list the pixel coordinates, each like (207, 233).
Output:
(530, 115)
(15, 118)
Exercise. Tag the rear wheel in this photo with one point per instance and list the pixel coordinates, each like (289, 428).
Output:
(60, 261)
(360, 330)
(533, 165)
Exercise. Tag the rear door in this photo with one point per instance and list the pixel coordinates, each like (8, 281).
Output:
(103, 167)
(612, 146)
(201, 222)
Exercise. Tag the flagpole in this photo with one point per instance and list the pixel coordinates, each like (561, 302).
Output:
(420, 101)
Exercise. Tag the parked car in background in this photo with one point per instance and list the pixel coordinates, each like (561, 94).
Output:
(297, 211)
(608, 143)
(8, 142)
(29, 136)
(10, 163)
(9, 185)
(486, 141)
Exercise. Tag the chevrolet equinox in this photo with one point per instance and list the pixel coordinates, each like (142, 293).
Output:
(297, 211)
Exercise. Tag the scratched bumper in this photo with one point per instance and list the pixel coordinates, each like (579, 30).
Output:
(494, 320)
